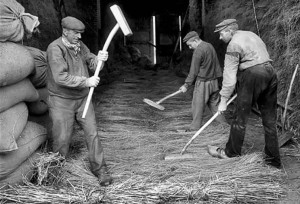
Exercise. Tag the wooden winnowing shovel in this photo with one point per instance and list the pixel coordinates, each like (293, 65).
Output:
(121, 23)
(157, 104)
(181, 156)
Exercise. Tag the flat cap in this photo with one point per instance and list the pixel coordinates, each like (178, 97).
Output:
(190, 35)
(224, 24)
(72, 23)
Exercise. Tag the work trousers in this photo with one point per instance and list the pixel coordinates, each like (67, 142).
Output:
(257, 84)
(205, 93)
(64, 112)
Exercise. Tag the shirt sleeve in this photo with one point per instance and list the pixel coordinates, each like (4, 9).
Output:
(59, 70)
(231, 63)
(90, 58)
(194, 68)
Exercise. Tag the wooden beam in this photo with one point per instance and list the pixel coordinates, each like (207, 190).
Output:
(284, 138)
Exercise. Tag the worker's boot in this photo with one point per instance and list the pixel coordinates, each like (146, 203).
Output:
(104, 177)
(216, 152)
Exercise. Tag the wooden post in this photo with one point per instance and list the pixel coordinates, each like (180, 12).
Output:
(180, 41)
(203, 13)
(154, 39)
(179, 35)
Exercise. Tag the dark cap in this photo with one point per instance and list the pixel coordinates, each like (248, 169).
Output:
(190, 35)
(224, 24)
(72, 23)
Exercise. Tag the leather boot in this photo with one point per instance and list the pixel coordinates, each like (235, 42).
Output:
(104, 177)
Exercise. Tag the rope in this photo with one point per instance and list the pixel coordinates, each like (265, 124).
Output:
(255, 18)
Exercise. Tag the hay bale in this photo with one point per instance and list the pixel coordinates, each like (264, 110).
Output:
(15, 93)
(16, 63)
(30, 139)
(13, 122)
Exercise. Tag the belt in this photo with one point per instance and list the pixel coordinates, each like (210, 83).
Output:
(262, 64)
(204, 79)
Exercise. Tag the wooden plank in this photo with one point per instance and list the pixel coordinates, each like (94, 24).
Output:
(284, 138)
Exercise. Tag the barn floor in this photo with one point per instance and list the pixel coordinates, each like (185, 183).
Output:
(137, 137)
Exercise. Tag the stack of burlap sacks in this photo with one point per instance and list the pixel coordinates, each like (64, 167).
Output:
(22, 92)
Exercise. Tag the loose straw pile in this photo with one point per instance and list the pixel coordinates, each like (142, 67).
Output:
(136, 138)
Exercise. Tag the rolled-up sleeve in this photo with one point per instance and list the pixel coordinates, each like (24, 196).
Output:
(231, 63)
(59, 70)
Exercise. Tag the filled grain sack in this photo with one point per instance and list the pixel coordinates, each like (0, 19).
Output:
(16, 63)
(24, 172)
(43, 120)
(28, 142)
(12, 124)
(14, 22)
(39, 75)
(15, 93)
(40, 106)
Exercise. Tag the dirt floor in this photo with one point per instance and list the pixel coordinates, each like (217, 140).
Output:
(120, 108)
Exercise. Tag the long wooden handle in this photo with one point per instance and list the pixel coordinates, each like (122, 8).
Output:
(169, 96)
(99, 66)
(288, 97)
(204, 126)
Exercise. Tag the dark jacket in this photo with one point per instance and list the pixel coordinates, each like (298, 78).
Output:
(205, 64)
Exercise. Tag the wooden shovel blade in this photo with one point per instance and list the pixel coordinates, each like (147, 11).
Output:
(180, 156)
(152, 103)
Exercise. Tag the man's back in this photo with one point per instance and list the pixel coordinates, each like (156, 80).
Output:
(251, 48)
(209, 64)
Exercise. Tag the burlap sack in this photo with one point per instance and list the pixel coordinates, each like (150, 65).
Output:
(14, 22)
(39, 75)
(30, 139)
(12, 124)
(16, 63)
(40, 106)
(15, 93)
(24, 172)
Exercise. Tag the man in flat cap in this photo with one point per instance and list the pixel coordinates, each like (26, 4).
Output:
(68, 84)
(248, 65)
(204, 71)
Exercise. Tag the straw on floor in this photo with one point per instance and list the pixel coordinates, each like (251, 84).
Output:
(135, 139)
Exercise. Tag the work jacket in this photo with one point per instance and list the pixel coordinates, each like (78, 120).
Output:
(68, 70)
(205, 64)
(244, 51)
